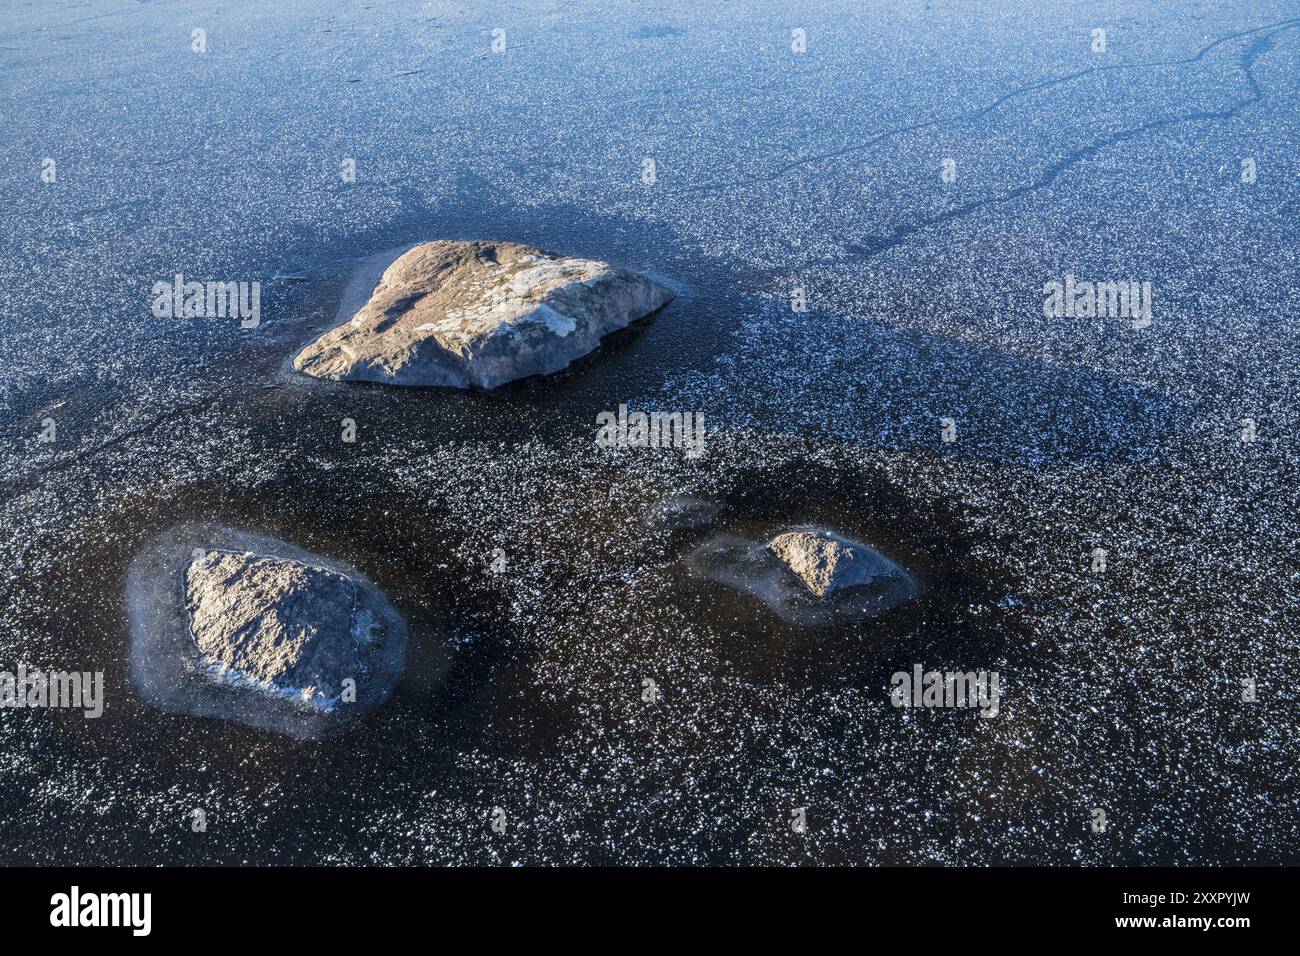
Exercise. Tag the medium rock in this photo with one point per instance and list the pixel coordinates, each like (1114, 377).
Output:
(278, 626)
(250, 628)
(481, 314)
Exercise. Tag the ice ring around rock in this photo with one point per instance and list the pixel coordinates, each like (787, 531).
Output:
(808, 575)
(254, 629)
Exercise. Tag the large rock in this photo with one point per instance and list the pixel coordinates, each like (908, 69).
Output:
(481, 314)
(251, 628)
(824, 561)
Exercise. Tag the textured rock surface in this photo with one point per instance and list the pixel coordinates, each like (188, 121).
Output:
(246, 627)
(481, 314)
(825, 561)
(277, 625)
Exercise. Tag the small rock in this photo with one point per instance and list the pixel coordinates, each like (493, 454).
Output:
(825, 561)
(480, 314)
(810, 576)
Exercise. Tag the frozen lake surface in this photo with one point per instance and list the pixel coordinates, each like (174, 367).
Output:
(1167, 157)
